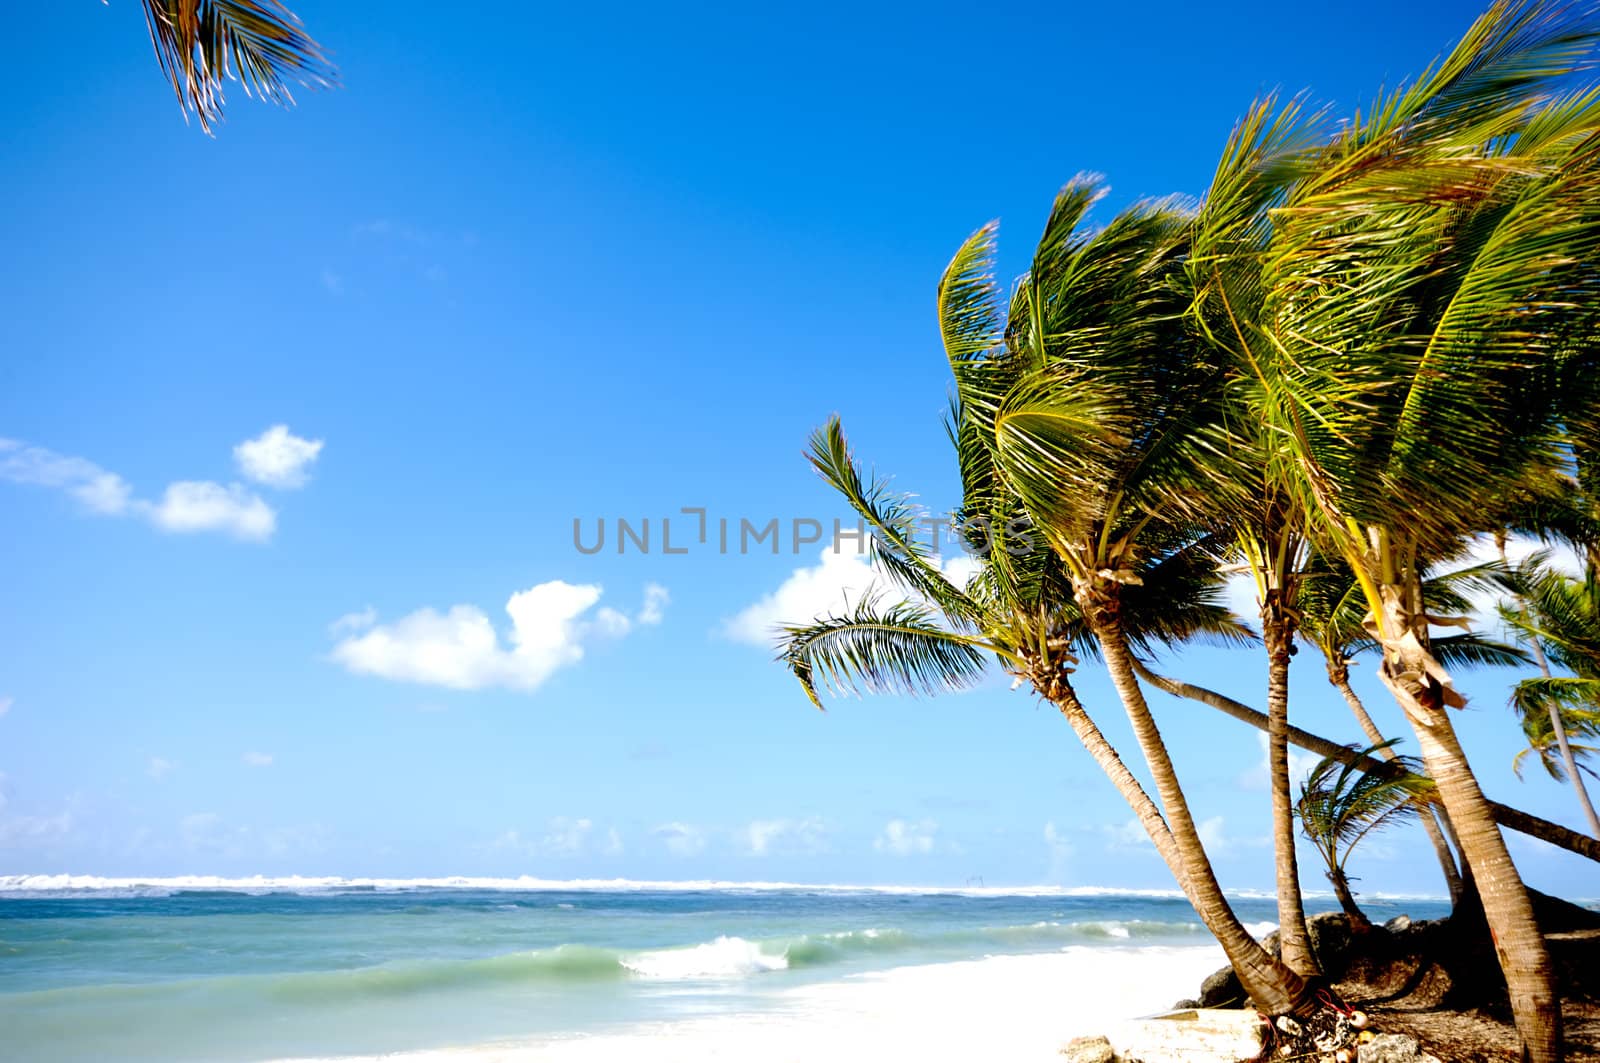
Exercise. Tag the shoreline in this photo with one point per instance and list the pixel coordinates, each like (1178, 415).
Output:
(1016, 1008)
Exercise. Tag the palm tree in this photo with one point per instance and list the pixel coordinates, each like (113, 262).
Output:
(1024, 608)
(1332, 618)
(1559, 617)
(1106, 426)
(1423, 291)
(259, 43)
(1340, 805)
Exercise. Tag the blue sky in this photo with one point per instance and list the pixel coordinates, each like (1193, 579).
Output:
(540, 265)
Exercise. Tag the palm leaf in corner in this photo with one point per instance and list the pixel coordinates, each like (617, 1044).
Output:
(259, 43)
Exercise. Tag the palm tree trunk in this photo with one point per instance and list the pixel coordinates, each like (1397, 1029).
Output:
(1347, 900)
(1512, 818)
(1273, 988)
(1293, 938)
(1421, 686)
(1339, 676)
(1105, 755)
(1559, 728)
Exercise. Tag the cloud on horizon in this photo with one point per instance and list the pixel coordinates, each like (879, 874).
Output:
(905, 838)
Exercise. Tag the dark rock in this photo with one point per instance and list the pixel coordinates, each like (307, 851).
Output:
(1187, 1005)
(1088, 1050)
(1331, 942)
(1576, 956)
(1557, 916)
(1222, 990)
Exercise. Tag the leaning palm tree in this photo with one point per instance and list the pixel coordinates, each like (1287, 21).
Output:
(1025, 606)
(1332, 614)
(1559, 617)
(1104, 417)
(261, 44)
(1339, 806)
(1408, 321)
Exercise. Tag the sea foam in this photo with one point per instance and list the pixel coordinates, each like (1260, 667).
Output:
(17, 885)
(726, 957)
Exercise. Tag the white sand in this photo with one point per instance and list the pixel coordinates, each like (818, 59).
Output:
(1004, 1009)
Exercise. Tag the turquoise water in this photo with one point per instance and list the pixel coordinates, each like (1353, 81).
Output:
(139, 973)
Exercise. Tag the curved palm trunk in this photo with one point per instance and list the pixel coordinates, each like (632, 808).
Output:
(1273, 988)
(1511, 818)
(1421, 686)
(1293, 937)
(1347, 900)
(1066, 700)
(1339, 676)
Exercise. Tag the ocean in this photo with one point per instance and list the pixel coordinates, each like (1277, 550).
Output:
(181, 970)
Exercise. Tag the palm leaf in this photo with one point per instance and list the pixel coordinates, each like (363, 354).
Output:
(261, 44)
(881, 648)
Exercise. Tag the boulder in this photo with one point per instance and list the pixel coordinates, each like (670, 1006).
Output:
(1222, 990)
(1187, 1036)
(1397, 924)
(1088, 1050)
(1331, 941)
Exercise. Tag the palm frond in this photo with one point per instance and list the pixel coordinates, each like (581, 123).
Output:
(1340, 804)
(879, 648)
(261, 44)
(892, 521)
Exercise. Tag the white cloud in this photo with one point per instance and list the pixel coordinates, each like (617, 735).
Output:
(765, 836)
(681, 839)
(655, 604)
(841, 580)
(159, 767)
(200, 505)
(1215, 837)
(101, 491)
(461, 648)
(185, 506)
(277, 457)
(613, 843)
(258, 760)
(1129, 835)
(904, 838)
(5, 704)
(1240, 598)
